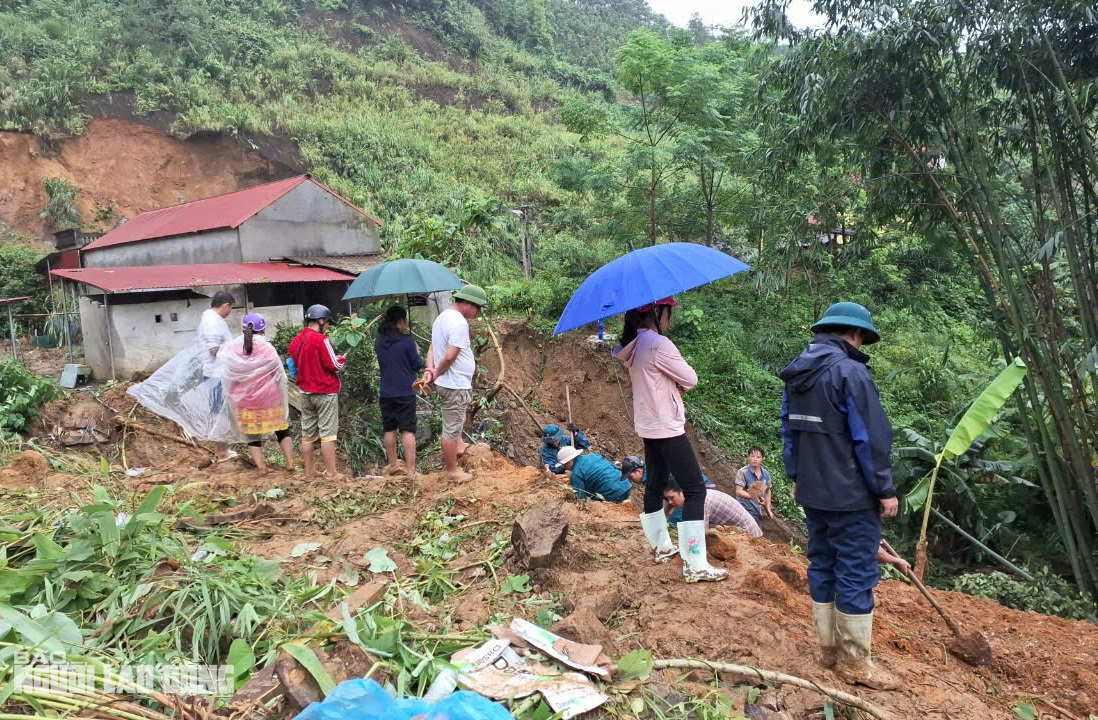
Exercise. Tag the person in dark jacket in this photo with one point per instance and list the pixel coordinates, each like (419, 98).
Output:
(400, 363)
(593, 477)
(837, 453)
(553, 439)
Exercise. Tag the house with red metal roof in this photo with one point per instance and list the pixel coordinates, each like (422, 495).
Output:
(277, 248)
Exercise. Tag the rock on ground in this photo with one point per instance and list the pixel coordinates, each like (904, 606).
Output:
(538, 536)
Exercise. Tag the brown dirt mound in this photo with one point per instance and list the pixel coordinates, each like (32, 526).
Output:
(766, 583)
(27, 470)
(792, 574)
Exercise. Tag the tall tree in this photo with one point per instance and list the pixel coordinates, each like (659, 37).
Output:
(981, 117)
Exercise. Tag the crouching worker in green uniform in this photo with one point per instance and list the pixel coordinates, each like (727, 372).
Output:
(593, 476)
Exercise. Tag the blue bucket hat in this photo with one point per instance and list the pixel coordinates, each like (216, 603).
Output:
(848, 314)
(551, 432)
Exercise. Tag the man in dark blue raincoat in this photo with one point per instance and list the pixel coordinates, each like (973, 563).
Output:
(837, 453)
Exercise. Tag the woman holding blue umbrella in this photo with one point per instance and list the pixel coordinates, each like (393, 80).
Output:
(660, 375)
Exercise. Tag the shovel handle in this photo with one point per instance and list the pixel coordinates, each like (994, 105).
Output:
(926, 593)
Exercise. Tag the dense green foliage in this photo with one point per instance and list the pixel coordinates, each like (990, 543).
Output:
(18, 276)
(619, 131)
(976, 125)
(22, 394)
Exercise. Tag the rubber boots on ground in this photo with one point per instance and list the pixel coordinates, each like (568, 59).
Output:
(855, 637)
(655, 529)
(824, 615)
(695, 563)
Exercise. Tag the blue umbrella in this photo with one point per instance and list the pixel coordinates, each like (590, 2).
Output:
(402, 277)
(644, 276)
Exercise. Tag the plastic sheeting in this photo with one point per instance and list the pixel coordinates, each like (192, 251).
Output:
(181, 392)
(255, 385)
(366, 700)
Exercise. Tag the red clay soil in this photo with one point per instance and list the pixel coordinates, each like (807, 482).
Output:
(761, 616)
(133, 166)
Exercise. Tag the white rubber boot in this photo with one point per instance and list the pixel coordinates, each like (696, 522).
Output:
(824, 615)
(855, 638)
(655, 529)
(695, 563)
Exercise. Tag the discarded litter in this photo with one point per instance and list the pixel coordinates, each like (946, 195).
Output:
(136, 471)
(575, 655)
(495, 670)
(361, 699)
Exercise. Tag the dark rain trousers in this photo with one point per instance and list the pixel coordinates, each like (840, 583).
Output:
(842, 556)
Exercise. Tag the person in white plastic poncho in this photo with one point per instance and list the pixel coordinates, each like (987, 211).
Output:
(255, 384)
(183, 390)
(187, 389)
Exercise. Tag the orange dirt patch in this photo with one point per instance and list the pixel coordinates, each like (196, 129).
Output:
(130, 165)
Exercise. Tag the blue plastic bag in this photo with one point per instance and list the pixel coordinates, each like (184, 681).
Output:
(366, 700)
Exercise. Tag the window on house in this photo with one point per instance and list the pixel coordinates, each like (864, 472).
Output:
(159, 318)
(175, 317)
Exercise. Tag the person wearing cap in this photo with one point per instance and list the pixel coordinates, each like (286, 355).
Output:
(553, 439)
(660, 376)
(837, 448)
(450, 368)
(318, 369)
(256, 385)
(593, 477)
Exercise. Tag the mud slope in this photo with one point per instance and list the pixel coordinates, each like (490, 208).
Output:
(124, 164)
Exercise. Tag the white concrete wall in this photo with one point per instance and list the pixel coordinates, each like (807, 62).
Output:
(308, 220)
(93, 328)
(141, 344)
(215, 246)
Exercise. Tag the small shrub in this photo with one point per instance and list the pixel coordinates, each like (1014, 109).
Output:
(1048, 594)
(22, 395)
(61, 211)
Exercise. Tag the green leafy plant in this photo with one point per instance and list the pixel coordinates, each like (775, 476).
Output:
(22, 394)
(976, 420)
(516, 584)
(61, 211)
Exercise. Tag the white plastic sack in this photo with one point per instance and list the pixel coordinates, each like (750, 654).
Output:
(180, 392)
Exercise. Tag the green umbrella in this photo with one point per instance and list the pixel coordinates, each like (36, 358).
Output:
(402, 277)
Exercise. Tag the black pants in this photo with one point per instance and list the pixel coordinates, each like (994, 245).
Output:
(280, 435)
(674, 456)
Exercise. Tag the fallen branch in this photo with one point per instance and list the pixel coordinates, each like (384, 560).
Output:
(774, 677)
(165, 436)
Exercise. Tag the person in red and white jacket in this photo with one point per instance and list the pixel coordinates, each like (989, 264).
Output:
(318, 369)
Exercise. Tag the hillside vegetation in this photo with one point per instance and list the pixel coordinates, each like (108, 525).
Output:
(442, 116)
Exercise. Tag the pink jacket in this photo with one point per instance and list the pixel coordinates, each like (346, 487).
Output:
(660, 376)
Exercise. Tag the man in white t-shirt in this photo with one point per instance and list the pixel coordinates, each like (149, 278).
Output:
(213, 332)
(450, 368)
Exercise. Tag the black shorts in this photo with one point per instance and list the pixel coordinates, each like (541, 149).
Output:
(398, 413)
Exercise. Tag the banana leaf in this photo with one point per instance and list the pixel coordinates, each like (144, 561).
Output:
(983, 410)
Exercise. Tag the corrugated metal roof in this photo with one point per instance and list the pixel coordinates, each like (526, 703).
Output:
(345, 263)
(221, 211)
(165, 277)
